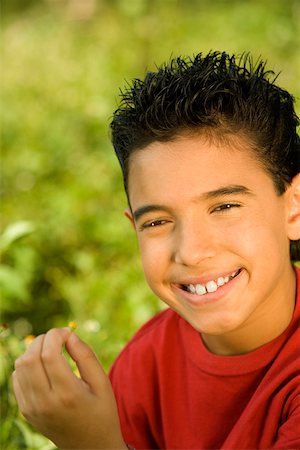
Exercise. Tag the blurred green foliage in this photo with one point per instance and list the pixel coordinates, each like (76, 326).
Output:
(67, 252)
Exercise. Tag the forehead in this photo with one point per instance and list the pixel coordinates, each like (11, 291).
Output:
(192, 165)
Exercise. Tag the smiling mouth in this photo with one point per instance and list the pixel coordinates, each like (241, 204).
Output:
(210, 286)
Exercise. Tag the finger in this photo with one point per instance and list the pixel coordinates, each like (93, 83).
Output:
(30, 381)
(18, 392)
(55, 364)
(87, 362)
(32, 351)
(29, 369)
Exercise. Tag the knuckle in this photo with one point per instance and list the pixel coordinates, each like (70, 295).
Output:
(47, 356)
(25, 360)
(18, 362)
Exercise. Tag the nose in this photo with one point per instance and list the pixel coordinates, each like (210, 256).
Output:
(193, 243)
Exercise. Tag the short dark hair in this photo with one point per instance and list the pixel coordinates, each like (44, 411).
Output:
(217, 94)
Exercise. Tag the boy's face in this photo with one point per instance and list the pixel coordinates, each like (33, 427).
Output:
(213, 234)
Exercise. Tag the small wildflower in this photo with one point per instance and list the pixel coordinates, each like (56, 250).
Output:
(28, 339)
(72, 325)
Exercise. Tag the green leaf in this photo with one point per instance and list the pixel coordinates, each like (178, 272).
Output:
(15, 231)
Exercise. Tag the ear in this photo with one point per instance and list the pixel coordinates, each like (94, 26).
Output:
(293, 219)
(128, 214)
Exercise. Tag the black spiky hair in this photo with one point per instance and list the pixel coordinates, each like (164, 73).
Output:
(218, 94)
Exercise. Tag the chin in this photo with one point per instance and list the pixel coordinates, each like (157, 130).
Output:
(214, 328)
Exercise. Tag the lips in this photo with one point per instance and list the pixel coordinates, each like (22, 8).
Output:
(210, 285)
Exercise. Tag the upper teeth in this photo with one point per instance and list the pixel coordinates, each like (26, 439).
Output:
(210, 286)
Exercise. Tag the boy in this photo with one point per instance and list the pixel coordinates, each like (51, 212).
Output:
(210, 159)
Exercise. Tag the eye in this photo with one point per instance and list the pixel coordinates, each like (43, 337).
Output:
(226, 207)
(154, 223)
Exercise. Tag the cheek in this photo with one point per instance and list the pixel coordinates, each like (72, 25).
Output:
(154, 259)
(261, 242)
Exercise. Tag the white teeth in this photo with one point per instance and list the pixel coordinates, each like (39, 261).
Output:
(211, 286)
(192, 288)
(200, 290)
(220, 281)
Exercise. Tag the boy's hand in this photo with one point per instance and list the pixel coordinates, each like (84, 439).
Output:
(74, 413)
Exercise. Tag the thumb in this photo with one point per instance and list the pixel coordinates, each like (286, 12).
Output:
(87, 362)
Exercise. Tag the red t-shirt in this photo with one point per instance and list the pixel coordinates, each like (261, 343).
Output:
(172, 393)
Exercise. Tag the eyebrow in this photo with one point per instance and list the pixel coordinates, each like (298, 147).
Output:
(223, 191)
(231, 189)
(148, 208)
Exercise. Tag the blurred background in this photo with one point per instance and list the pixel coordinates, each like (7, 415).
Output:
(67, 252)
